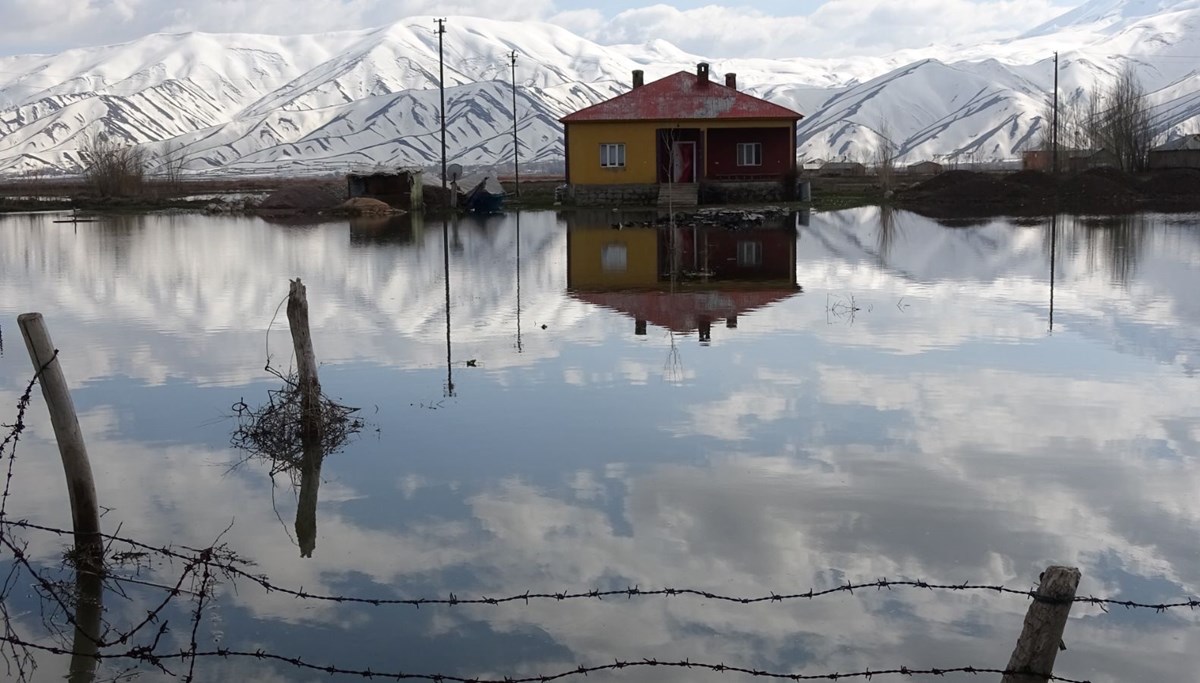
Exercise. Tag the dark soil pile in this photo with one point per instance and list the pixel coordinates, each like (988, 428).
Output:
(1035, 180)
(1113, 175)
(306, 197)
(1097, 190)
(970, 188)
(1175, 182)
(944, 181)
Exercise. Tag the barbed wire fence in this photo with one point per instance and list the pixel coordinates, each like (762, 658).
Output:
(150, 641)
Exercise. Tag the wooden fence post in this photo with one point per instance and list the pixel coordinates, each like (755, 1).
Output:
(1042, 634)
(306, 360)
(312, 420)
(85, 512)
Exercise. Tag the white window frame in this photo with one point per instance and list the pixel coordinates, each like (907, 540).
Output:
(749, 154)
(749, 253)
(612, 155)
(614, 257)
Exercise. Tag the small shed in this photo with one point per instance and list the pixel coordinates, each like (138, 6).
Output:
(1183, 152)
(1082, 160)
(843, 168)
(925, 168)
(402, 189)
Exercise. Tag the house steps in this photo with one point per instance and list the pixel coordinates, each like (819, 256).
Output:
(678, 195)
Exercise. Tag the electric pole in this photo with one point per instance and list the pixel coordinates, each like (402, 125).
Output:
(1054, 135)
(441, 31)
(512, 56)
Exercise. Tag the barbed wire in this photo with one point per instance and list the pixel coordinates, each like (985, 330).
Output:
(231, 567)
(203, 567)
(580, 670)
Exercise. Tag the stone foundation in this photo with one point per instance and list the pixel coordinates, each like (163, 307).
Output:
(758, 192)
(615, 195)
(744, 192)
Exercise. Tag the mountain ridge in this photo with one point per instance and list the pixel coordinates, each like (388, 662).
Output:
(247, 103)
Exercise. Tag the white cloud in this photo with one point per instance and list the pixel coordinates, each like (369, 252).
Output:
(836, 27)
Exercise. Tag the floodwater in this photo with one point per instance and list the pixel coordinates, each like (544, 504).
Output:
(842, 397)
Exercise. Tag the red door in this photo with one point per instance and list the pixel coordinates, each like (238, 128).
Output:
(683, 162)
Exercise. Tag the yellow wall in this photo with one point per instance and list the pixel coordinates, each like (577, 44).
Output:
(584, 139)
(585, 267)
(583, 153)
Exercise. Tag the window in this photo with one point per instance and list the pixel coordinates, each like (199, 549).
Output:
(749, 254)
(749, 154)
(614, 258)
(612, 155)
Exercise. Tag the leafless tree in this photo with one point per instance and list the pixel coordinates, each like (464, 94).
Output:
(885, 156)
(113, 168)
(170, 168)
(1122, 122)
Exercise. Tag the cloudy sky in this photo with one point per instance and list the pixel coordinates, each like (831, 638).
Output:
(769, 28)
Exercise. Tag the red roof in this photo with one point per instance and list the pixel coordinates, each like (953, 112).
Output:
(682, 96)
(682, 311)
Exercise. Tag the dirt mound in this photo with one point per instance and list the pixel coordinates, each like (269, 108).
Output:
(944, 181)
(305, 197)
(978, 188)
(1097, 190)
(1173, 182)
(1113, 175)
(365, 206)
(1037, 180)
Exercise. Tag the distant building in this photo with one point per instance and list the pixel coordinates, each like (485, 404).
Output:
(682, 130)
(402, 189)
(843, 168)
(1181, 152)
(925, 168)
(1069, 160)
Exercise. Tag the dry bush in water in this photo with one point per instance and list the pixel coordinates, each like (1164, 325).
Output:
(113, 168)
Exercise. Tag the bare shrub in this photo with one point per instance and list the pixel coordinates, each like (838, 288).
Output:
(113, 168)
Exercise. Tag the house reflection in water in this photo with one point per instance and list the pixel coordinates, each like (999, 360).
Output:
(683, 278)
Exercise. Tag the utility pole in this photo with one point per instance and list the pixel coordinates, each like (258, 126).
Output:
(512, 56)
(441, 31)
(1054, 134)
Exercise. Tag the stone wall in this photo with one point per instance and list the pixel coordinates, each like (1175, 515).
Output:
(615, 195)
(742, 192)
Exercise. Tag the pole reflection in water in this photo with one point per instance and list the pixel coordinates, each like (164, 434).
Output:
(89, 607)
(517, 218)
(449, 388)
(306, 505)
(1053, 262)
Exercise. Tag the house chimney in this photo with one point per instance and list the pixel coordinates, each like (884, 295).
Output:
(731, 81)
(639, 78)
(702, 73)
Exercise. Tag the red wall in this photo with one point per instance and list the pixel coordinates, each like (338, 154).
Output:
(718, 250)
(777, 153)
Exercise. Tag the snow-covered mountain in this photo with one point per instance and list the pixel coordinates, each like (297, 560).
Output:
(351, 99)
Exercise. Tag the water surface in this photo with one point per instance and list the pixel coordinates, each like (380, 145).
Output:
(838, 397)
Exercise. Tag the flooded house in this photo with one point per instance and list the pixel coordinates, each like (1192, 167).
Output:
(682, 279)
(681, 139)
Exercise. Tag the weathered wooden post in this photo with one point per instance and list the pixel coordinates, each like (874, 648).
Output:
(306, 360)
(1042, 634)
(85, 512)
(311, 420)
(89, 608)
